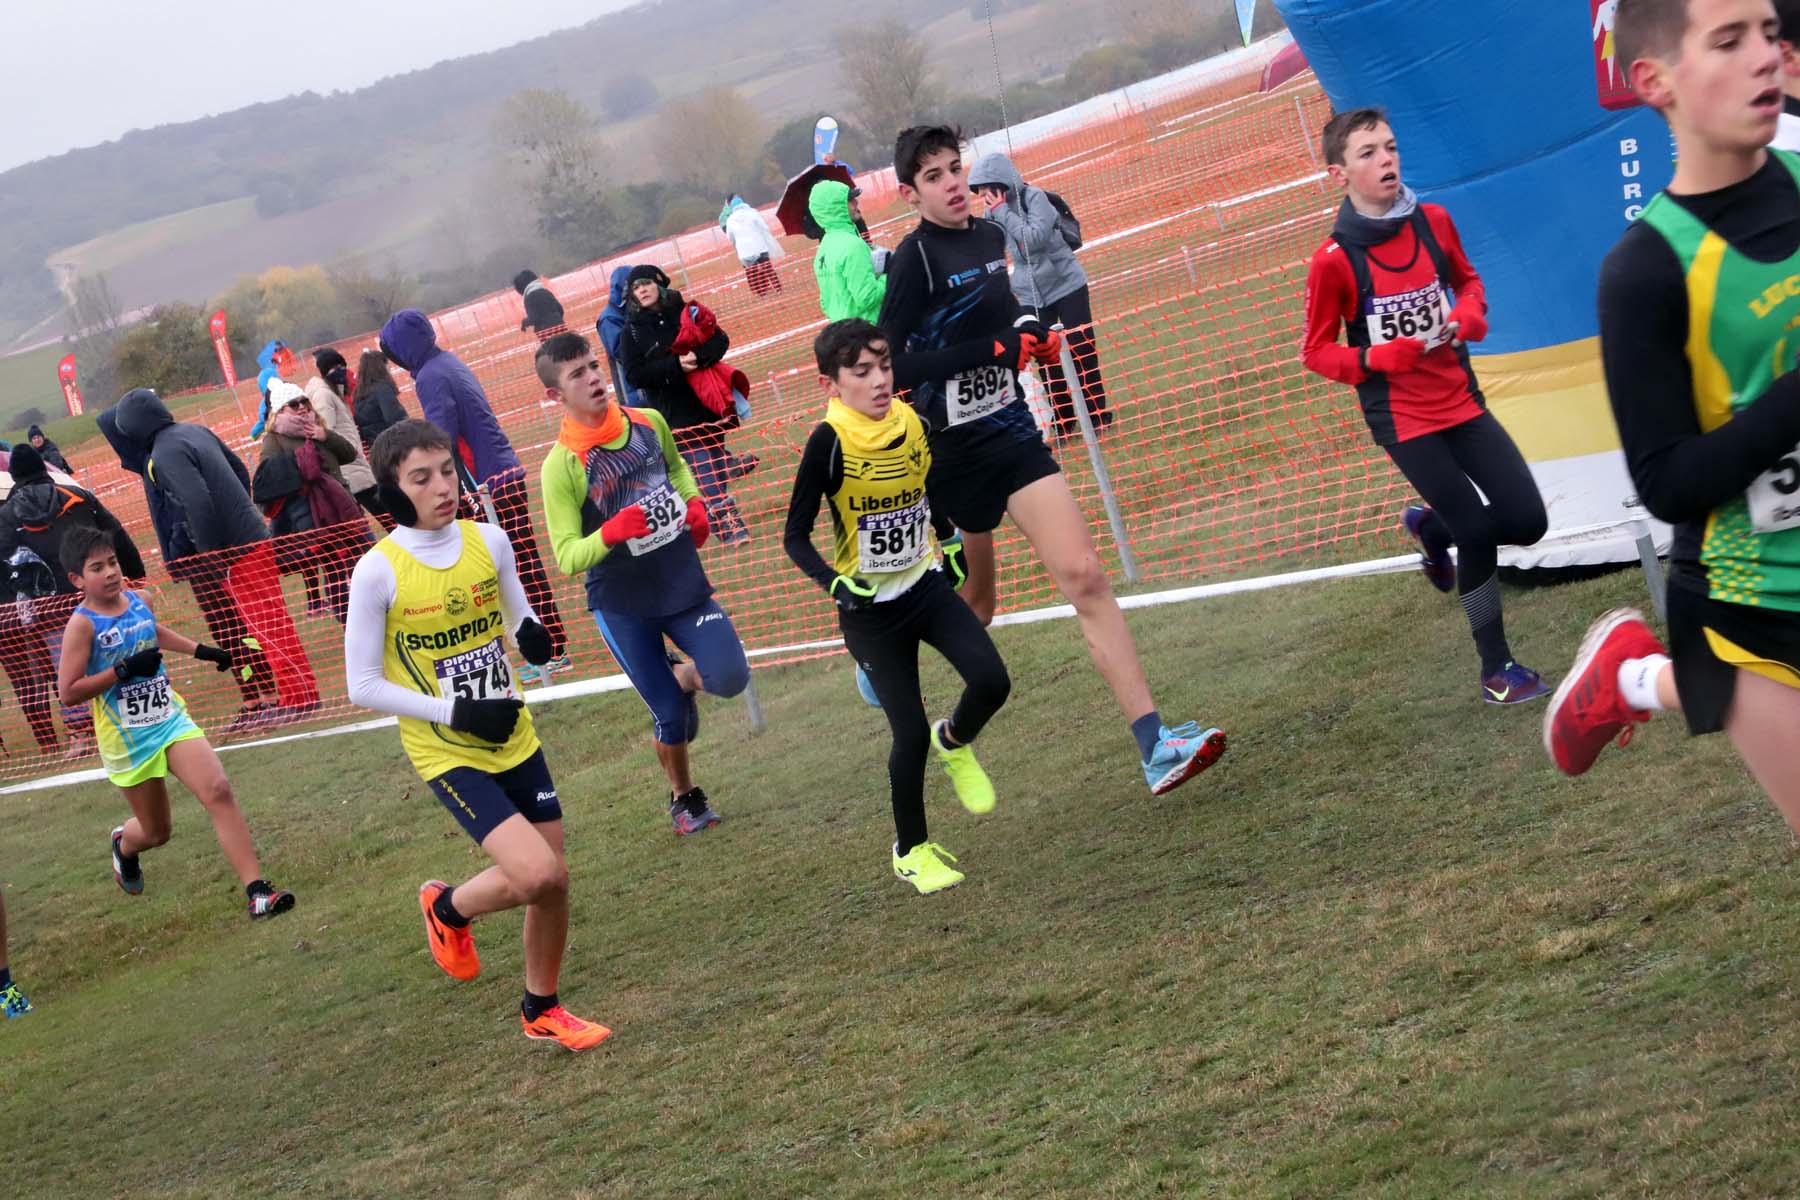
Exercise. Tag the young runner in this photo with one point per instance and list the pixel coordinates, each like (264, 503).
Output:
(12, 1000)
(1697, 313)
(959, 340)
(622, 506)
(429, 608)
(869, 459)
(1388, 273)
(112, 656)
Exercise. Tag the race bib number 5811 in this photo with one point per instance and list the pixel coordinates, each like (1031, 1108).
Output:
(892, 541)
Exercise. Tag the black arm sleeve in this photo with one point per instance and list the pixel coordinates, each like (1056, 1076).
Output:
(821, 473)
(1681, 474)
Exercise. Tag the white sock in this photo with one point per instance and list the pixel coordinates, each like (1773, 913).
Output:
(1637, 681)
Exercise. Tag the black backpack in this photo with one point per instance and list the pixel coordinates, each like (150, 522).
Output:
(1067, 223)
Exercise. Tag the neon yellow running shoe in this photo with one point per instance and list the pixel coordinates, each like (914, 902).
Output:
(973, 787)
(925, 867)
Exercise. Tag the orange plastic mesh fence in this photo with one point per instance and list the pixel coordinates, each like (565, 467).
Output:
(1228, 459)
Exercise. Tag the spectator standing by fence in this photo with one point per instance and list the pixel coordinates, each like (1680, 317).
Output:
(543, 311)
(376, 400)
(756, 247)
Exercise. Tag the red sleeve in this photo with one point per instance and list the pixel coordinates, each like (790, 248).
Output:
(1468, 285)
(1330, 300)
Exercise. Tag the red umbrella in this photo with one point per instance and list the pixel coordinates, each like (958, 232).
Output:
(792, 209)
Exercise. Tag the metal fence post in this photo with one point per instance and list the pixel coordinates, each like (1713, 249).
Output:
(753, 706)
(1187, 260)
(681, 264)
(774, 389)
(1108, 497)
(1653, 572)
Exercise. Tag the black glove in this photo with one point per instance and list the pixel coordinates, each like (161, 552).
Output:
(489, 720)
(954, 565)
(851, 593)
(220, 659)
(534, 643)
(141, 665)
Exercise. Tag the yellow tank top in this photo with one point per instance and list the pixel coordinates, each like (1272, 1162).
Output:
(446, 637)
(881, 520)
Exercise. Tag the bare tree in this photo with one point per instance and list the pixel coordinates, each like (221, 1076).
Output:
(552, 149)
(712, 139)
(95, 321)
(886, 69)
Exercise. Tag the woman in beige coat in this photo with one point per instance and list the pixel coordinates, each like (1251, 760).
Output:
(327, 390)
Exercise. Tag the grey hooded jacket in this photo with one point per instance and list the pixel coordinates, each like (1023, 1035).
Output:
(1044, 268)
(198, 490)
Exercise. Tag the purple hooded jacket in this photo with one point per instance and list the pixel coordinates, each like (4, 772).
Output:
(450, 395)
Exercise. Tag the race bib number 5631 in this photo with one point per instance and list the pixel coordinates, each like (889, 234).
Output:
(1423, 313)
(974, 394)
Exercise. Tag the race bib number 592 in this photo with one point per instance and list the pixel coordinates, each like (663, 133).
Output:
(665, 513)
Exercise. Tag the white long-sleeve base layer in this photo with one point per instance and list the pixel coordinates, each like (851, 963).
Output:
(372, 592)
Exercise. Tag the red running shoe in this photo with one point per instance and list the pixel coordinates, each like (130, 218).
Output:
(1587, 711)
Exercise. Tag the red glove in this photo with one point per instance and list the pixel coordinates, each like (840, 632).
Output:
(1046, 349)
(1471, 323)
(629, 522)
(1396, 357)
(698, 526)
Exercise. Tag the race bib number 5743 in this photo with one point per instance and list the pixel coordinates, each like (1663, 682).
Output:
(479, 674)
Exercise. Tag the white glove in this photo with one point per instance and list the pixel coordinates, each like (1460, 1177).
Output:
(880, 259)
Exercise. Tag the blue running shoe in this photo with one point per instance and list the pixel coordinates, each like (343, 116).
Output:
(865, 689)
(1435, 561)
(1182, 753)
(691, 813)
(1513, 684)
(125, 867)
(13, 1001)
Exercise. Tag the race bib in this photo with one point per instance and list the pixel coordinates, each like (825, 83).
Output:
(892, 541)
(974, 394)
(1422, 313)
(666, 514)
(1774, 496)
(479, 674)
(144, 703)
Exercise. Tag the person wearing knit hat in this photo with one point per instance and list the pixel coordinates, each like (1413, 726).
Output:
(329, 392)
(47, 448)
(543, 311)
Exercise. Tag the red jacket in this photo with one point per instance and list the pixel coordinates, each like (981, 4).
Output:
(714, 384)
(1442, 391)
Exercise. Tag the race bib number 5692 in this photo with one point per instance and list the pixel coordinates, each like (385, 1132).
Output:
(974, 394)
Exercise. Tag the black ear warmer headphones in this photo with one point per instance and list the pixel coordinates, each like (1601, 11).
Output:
(398, 504)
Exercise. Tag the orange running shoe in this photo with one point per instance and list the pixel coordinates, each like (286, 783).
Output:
(454, 949)
(558, 1024)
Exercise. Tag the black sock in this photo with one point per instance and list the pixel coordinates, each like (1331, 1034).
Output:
(535, 1006)
(446, 911)
(1482, 607)
(1147, 729)
(5, 978)
(257, 887)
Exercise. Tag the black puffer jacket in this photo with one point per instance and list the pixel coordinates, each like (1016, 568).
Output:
(198, 490)
(543, 311)
(653, 369)
(40, 512)
(377, 407)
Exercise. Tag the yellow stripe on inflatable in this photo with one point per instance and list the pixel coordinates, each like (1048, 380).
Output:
(1552, 400)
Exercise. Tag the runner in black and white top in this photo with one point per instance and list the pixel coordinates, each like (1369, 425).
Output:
(1787, 127)
(960, 340)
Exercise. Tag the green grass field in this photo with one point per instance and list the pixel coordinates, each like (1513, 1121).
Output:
(1381, 950)
(120, 247)
(28, 380)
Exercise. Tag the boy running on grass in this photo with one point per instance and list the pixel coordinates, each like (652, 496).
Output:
(1387, 273)
(112, 661)
(959, 340)
(869, 459)
(1698, 320)
(430, 606)
(622, 505)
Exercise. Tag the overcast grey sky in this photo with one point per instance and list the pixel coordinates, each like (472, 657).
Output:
(77, 73)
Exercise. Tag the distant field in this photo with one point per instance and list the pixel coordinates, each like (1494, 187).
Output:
(121, 247)
(28, 380)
